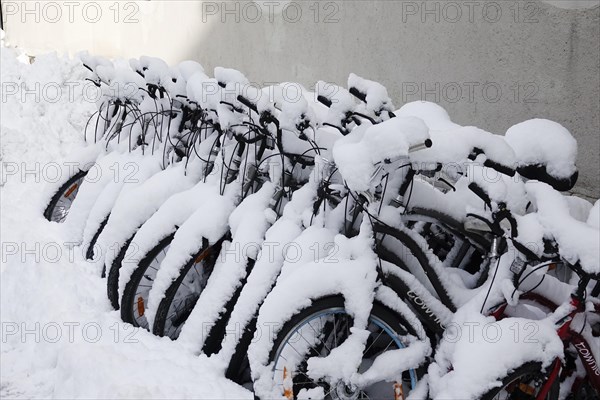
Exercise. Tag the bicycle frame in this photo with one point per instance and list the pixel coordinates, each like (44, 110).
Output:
(431, 321)
(568, 336)
(420, 305)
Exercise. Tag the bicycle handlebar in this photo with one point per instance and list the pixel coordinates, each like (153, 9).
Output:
(478, 190)
(358, 94)
(266, 117)
(498, 216)
(421, 146)
(247, 103)
(503, 169)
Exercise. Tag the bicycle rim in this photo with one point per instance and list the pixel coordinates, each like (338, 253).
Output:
(64, 200)
(142, 292)
(189, 287)
(316, 336)
(525, 384)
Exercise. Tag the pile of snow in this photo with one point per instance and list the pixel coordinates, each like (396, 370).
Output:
(44, 109)
(59, 336)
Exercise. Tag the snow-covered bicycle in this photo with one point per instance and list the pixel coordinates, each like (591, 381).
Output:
(524, 293)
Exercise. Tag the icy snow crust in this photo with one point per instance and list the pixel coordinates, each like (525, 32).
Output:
(169, 195)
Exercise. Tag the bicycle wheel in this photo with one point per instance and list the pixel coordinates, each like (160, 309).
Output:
(112, 280)
(183, 294)
(587, 391)
(524, 383)
(60, 204)
(135, 295)
(90, 252)
(316, 331)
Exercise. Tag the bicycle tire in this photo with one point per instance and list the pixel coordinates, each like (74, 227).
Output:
(131, 288)
(112, 280)
(396, 322)
(63, 191)
(525, 370)
(90, 253)
(162, 311)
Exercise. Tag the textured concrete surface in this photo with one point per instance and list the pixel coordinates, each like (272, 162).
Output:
(490, 64)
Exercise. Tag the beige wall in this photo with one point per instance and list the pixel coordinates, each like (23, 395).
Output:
(491, 64)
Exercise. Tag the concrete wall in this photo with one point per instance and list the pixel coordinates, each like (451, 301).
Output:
(490, 64)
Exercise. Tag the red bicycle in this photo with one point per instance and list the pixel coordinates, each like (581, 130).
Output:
(580, 380)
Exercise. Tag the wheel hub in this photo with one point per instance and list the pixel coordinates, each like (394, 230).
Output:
(345, 392)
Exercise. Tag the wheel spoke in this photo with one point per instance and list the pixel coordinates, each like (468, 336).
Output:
(323, 325)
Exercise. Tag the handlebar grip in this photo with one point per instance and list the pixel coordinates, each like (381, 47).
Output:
(88, 67)
(503, 169)
(425, 145)
(325, 101)
(478, 190)
(247, 103)
(358, 94)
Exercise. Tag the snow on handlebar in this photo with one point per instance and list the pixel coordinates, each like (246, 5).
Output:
(359, 154)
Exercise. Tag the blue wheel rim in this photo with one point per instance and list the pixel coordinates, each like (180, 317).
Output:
(339, 310)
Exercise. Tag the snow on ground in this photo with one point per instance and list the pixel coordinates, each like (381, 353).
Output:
(60, 338)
